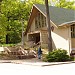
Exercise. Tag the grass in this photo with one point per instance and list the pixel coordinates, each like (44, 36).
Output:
(7, 45)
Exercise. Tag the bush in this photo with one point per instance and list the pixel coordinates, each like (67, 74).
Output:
(57, 55)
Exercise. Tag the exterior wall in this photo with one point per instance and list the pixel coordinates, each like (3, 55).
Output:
(25, 38)
(44, 39)
(32, 27)
(61, 37)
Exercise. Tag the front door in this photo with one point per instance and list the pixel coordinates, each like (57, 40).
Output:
(37, 39)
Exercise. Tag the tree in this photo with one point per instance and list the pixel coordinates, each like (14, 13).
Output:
(10, 19)
(48, 26)
(12, 11)
(63, 3)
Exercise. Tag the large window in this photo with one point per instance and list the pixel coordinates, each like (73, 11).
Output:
(40, 21)
(73, 31)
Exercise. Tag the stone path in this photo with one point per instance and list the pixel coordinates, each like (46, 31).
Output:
(35, 62)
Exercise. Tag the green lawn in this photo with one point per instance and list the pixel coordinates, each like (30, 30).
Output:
(7, 45)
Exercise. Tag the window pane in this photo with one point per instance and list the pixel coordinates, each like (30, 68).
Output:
(73, 31)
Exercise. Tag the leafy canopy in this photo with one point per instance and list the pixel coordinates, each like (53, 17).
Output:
(63, 3)
(12, 14)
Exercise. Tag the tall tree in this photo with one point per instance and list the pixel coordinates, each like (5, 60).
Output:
(12, 11)
(48, 26)
(63, 3)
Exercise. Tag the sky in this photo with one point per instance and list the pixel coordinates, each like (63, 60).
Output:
(53, 3)
(24, 0)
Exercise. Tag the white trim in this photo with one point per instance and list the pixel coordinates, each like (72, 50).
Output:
(69, 39)
(33, 32)
(69, 23)
(54, 24)
(39, 9)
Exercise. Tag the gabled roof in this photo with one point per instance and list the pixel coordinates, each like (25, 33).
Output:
(59, 16)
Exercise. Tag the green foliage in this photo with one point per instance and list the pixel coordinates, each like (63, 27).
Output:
(2, 39)
(12, 13)
(57, 55)
(10, 20)
(14, 37)
(64, 4)
(7, 45)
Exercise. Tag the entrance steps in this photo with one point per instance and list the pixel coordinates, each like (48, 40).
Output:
(20, 53)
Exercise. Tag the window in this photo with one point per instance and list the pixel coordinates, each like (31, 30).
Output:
(40, 21)
(36, 23)
(73, 31)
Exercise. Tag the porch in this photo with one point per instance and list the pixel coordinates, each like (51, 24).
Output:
(38, 37)
(33, 38)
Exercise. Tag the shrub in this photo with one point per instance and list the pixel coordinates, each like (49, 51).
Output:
(58, 55)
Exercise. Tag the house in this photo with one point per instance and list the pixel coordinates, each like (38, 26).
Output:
(62, 27)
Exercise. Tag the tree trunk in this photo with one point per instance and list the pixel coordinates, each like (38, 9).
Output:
(48, 26)
(7, 39)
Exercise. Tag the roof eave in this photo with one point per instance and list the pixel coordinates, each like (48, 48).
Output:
(67, 23)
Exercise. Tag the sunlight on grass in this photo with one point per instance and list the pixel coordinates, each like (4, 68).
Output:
(4, 45)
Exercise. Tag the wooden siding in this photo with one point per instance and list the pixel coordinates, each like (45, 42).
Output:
(32, 28)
